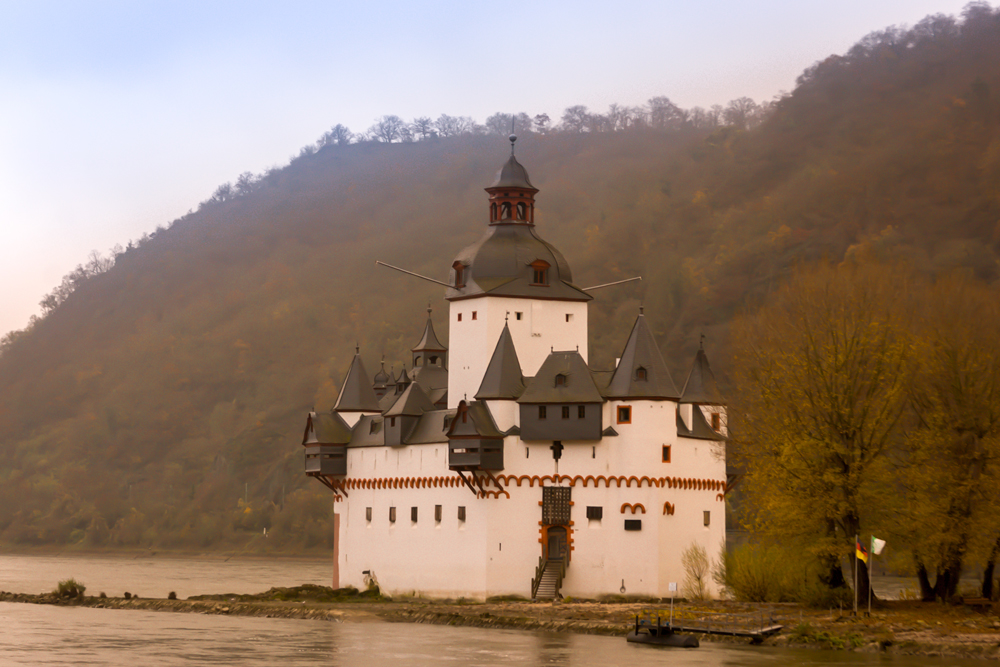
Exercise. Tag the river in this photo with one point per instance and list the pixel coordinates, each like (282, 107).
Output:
(49, 635)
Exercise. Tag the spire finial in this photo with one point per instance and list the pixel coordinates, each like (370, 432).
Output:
(512, 137)
(357, 347)
(507, 316)
(641, 309)
(701, 342)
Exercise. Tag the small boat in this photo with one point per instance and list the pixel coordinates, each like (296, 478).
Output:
(650, 631)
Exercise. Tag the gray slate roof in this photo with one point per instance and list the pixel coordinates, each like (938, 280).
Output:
(479, 424)
(700, 386)
(699, 430)
(512, 175)
(429, 341)
(413, 402)
(641, 351)
(499, 263)
(430, 428)
(357, 394)
(503, 378)
(326, 428)
(431, 377)
(579, 387)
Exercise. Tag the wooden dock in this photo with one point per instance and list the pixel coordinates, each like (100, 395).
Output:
(755, 626)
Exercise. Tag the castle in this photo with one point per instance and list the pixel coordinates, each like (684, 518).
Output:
(503, 464)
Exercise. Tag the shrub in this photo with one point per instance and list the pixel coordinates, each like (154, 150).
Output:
(696, 570)
(172, 595)
(772, 573)
(70, 589)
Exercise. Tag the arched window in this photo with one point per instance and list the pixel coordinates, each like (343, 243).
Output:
(459, 275)
(522, 211)
(433, 361)
(493, 212)
(505, 210)
(540, 272)
(418, 360)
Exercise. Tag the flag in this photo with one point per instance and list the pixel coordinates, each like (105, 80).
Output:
(859, 551)
(877, 546)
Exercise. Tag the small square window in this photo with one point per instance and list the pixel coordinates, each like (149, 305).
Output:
(517, 316)
(460, 317)
(461, 513)
(437, 513)
(633, 524)
(666, 453)
(392, 421)
(368, 514)
(413, 514)
(624, 414)
(716, 421)
(708, 518)
(569, 317)
(474, 314)
(595, 512)
(565, 412)
(392, 515)
(541, 412)
(581, 411)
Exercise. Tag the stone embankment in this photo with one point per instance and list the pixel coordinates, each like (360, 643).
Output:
(905, 628)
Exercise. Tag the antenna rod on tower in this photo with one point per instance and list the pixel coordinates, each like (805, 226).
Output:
(411, 273)
(618, 282)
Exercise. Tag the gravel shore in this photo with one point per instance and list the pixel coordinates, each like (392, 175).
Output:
(910, 628)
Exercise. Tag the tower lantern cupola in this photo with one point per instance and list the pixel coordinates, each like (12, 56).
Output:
(512, 196)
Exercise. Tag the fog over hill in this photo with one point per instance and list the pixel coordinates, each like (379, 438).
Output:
(160, 400)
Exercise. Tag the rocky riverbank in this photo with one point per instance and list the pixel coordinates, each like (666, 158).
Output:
(903, 627)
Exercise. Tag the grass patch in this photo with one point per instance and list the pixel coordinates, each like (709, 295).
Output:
(70, 589)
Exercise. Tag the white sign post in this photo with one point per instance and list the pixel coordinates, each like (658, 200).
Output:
(673, 590)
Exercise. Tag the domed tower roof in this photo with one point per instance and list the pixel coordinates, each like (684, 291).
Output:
(512, 175)
(511, 259)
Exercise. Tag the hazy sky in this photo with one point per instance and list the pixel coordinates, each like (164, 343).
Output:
(116, 117)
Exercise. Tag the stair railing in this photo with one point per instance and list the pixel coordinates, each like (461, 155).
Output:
(563, 564)
(537, 581)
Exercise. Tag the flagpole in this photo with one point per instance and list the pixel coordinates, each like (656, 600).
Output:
(871, 561)
(854, 552)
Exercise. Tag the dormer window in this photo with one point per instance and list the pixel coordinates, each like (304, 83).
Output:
(459, 275)
(640, 374)
(540, 272)
(560, 380)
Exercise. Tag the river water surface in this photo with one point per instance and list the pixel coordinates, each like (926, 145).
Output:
(48, 635)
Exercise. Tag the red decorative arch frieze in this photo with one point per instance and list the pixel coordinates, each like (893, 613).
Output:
(668, 508)
(638, 507)
(721, 497)
(685, 483)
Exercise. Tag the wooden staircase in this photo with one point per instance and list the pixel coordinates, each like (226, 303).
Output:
(548, 579)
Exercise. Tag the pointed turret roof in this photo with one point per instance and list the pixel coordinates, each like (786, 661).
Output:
(641, 372)
(429, 342)
(503, 378)
(413, 402)
(357, 394)
(404, 377)
(700, 386)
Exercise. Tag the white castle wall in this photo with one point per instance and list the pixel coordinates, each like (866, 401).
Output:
(496, 549)
(543, 327)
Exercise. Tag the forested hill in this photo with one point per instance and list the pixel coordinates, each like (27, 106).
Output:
(160, 402)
